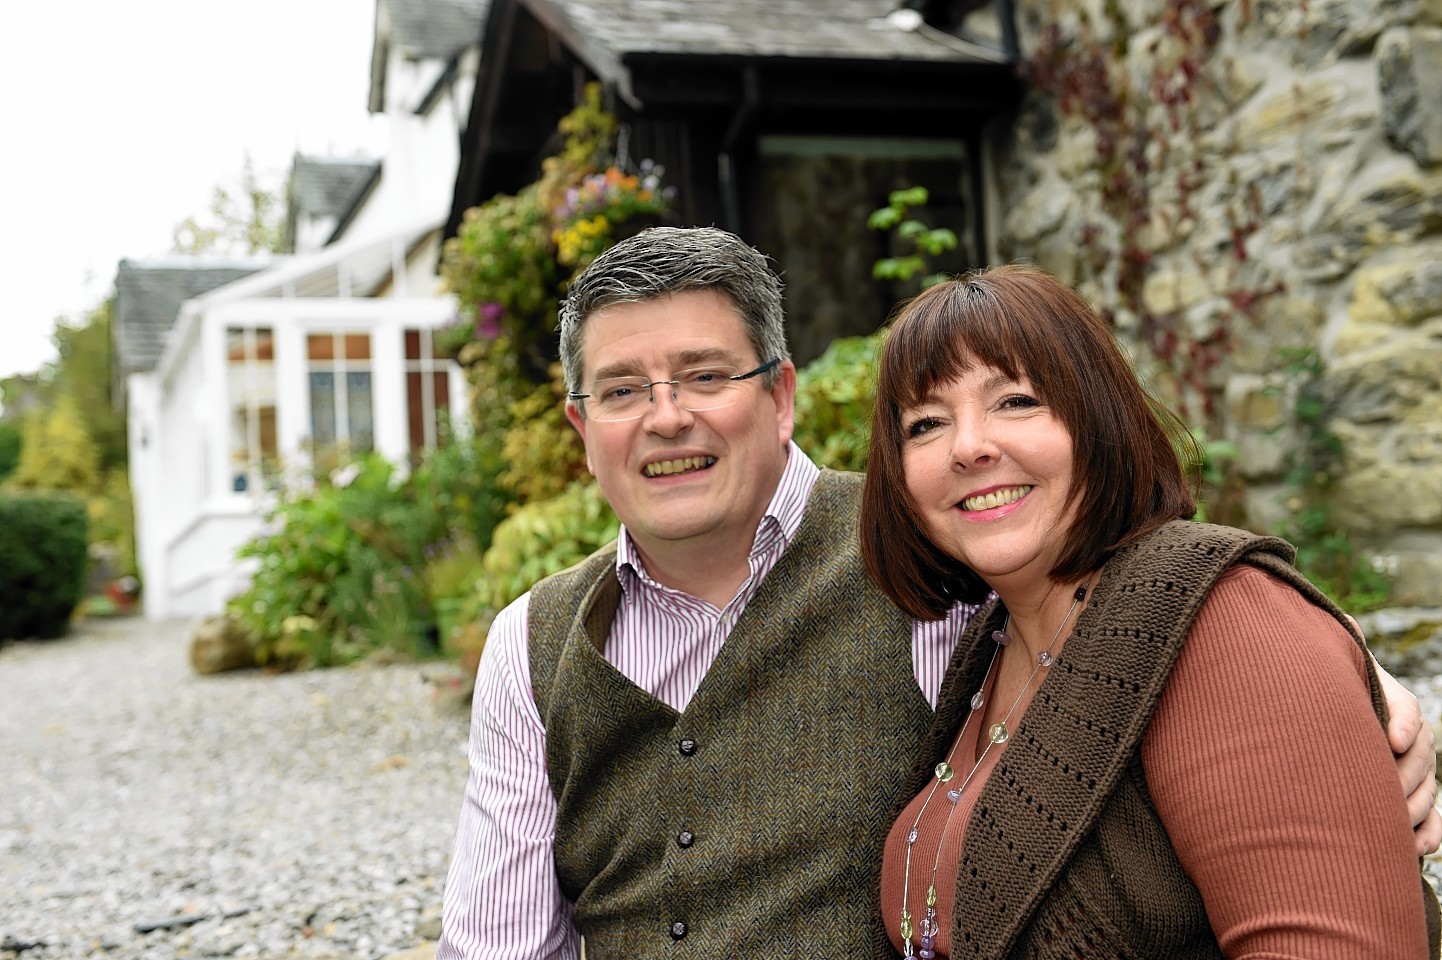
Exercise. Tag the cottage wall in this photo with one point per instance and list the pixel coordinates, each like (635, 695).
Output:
(1312, 218)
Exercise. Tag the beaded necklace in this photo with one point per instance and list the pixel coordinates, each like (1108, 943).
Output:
(999, 733)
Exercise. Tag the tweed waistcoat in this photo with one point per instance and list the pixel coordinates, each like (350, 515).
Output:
(752, 823)
(1064, 854)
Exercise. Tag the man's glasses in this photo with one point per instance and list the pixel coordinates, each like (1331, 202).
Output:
(700, 388)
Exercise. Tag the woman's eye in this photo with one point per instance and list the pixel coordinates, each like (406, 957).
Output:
(1019, 401)
(921, 426)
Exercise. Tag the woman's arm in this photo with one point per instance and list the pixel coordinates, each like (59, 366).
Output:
(1277, 785)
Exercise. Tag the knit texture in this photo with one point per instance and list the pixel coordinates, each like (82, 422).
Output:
(1064, 855)
(804, 728)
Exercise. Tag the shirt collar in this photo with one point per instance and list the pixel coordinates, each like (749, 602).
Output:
(783, 514)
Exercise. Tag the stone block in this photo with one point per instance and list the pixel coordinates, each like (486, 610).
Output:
(1390, 381)
(1268, 506)
(219, 644)
(1042, 211)
(1406, 639)
(1417, 578)
(1171, 290)
(1284, 323)
(1387, 498)
(1409, 66)
(1401, 293)
(1340, 98)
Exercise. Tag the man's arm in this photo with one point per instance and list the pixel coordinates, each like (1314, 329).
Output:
(502, 899)
(1416, 754)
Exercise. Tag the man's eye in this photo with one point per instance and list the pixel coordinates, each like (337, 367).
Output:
(613, 394)
(705, 377)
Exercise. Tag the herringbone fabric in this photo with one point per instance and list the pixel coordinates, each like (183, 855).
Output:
(803, 730)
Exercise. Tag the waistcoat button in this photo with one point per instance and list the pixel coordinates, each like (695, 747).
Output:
(678, 930)
(687, 747)
(685, 838)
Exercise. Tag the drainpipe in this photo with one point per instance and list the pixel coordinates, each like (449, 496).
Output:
(1006, 15)
(725, 164)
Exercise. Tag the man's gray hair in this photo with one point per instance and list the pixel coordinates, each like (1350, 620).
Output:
(664, 260)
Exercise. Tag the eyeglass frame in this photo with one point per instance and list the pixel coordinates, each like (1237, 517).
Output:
(650, 387)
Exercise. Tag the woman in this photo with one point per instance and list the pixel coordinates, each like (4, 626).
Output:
(1161, 741)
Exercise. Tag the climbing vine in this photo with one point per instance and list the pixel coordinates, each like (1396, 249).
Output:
(1148, 116)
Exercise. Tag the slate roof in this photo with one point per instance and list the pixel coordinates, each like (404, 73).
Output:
(808, 29)
(148, 295)
(427, 29)
(326, 187)
(421, 30)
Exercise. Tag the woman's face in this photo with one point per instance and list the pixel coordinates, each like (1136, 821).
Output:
(989, 468)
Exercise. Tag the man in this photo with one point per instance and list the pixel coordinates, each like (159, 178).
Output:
(694, 741)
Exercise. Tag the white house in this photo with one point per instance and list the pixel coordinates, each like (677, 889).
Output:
(261, 377)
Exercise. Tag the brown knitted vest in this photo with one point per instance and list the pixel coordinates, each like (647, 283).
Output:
(755, 818)
(1064, 855)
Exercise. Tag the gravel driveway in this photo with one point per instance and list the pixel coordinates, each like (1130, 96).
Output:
(301, 815)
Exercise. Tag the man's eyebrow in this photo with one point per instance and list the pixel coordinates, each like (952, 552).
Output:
(682, 360)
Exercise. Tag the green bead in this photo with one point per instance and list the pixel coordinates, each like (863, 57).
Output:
(999, 733)
(931, 896)
(944, 771)
(906, 928)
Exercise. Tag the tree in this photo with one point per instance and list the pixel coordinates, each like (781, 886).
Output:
(246, 216)
(9, 448)
(56, 452)
(84, 374)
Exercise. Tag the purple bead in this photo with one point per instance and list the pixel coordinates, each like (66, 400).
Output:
(954, 796)
(978, 700)
(928, 943)
(926, 953)
(1044, 658)
(1001, 638)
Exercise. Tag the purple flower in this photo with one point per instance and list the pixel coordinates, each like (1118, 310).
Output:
(488, 320)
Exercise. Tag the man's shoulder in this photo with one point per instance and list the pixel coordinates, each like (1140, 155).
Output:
(836, 491)
(578, 577)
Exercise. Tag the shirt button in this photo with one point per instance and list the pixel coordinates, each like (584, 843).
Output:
(687, 747)
(678, 930)
(685, 838)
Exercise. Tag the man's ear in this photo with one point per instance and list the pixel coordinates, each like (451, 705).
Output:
(783, 393)
(573, 414)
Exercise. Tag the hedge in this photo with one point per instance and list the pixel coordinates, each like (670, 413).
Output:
(43, 563)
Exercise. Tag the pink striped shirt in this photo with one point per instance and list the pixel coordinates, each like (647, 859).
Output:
(502, 899)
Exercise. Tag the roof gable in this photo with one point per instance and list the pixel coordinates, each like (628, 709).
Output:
(148, 296)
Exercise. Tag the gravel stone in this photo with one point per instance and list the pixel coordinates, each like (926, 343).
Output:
(302, 815)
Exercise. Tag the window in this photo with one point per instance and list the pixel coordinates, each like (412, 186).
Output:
(341, 414)
(428, 391)
(250, 376)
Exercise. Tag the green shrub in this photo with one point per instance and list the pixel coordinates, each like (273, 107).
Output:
(42, 563)
(540, 539)
(835, 394)
(341, 575)
(9, 448)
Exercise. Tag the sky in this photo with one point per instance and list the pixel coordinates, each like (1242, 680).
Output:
(121, 117)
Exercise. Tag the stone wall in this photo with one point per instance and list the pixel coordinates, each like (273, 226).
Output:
(1329, 115)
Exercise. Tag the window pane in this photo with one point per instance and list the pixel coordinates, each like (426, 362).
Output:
(357, 346)
(358, 407)
(234, 346)
(415, 411)
(264, 344)
(413, 344)
(322, 408)
(320, 346)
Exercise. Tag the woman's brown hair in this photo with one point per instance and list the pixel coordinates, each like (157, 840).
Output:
(1024, 322)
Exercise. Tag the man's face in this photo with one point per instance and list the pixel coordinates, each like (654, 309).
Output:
(678, 478)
